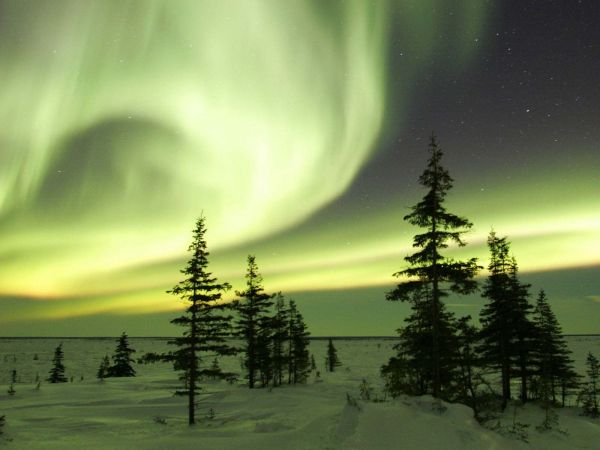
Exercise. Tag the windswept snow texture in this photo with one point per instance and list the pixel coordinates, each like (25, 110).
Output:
(142, 413)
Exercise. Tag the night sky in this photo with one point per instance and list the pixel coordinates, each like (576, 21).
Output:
(299, 129)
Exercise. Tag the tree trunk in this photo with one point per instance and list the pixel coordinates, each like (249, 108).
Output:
(193, 369)
(435, 298)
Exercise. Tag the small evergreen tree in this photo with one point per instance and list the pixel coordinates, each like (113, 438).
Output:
(215, 369)
(431, 277)
(122, 359)
(57, 373)
(2, 423)
(332, 358)
(589, 394)
(104, 369)
(253, 324)
(554, 366)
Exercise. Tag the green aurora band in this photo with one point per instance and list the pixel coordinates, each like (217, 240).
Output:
(123, 120)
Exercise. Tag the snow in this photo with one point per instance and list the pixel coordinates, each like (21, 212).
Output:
(142, 413)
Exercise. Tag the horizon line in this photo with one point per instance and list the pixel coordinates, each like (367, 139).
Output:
(310, 337)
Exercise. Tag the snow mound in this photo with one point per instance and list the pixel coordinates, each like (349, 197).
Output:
(417, 423)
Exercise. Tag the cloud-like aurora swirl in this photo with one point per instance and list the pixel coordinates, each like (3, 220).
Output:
(123, 120)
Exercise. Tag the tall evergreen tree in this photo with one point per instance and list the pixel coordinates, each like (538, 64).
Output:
(507, 332)
(57, 373)
(524, 331)
(206, 325)
(432, 276)
(280, 338)
(122, 359)
(299, 357)
(554, 366)
(332, 359)
(253, 322)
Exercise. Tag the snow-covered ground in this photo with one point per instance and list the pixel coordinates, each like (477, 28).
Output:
(142, 413)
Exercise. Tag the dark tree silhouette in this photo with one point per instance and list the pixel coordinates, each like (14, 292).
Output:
(215, 369)
(104, 369)
(589, 394)
(554, 366)
(506, 334)
(57, 373)
(299, 357)
(253, 323)
(411, 371)
(432, 276)
(332, 359)
(2, 422)
(524, 331)
(280, 338)
(264, 351)
(122, 359)
(206, 327)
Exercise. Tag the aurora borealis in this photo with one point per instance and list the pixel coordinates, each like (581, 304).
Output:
(299, 129)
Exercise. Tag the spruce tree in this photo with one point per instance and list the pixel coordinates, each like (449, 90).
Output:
(215, 369)
(432, 276)
(554, 366)
(104, 369)
(524, 331)
(280, 338)
(507, 332)
(253, 323)
(122, 359)
(332, 359)
(299, 357)
(57, 373)
(264, 352)
(589, 394)
(2, 422)
(205, 324)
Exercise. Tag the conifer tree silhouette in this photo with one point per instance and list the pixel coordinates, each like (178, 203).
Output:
(57, 373)
(104, 369)
(122, 359)
(253, 324)
(431, 277)
(206, 326)
(507, 332)
(332, 357)
(589, 394)
(551, 354)
(298, 355)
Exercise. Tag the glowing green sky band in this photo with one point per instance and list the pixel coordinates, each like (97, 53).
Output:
(123, 120)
